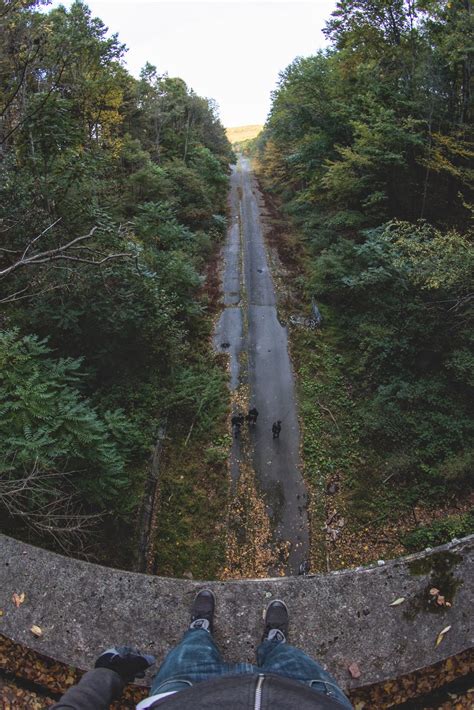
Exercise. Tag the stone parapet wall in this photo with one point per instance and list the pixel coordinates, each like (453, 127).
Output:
(342, 618)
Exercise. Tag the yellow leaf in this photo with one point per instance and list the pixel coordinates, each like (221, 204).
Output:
(36, 631)
(441, 635)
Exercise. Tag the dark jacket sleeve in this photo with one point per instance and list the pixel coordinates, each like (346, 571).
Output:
(95, 691)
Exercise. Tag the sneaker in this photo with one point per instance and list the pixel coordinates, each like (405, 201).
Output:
(202, 611)
(276, 622)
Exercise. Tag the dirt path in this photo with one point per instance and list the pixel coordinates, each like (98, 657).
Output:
(249, 330)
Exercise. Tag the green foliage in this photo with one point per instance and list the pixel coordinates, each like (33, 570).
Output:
(439, 532)
(198, 396)
(145, 163)
(369, 147)
(331, 427)
(379, 124)
(46, 425)
(403, 290)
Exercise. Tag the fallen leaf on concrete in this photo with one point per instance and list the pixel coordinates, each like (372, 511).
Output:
(18, 599)
(434, 591)
(354, 670)
(398, 601)
(1, 612)
(440, 600)
(441, 635)
(36, 631)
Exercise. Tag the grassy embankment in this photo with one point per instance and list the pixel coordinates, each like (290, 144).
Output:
(189, 531)
(358, 513)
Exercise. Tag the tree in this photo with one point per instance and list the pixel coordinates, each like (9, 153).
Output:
(112, 194)
(60, 462)
(362, 140)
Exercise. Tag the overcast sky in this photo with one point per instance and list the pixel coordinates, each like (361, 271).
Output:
(226, 50)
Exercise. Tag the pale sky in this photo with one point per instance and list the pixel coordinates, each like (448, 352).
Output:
(226, 50)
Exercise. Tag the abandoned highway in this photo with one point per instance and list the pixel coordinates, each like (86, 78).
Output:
(250, 332)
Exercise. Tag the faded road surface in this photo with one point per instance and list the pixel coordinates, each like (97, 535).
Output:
(249, 323)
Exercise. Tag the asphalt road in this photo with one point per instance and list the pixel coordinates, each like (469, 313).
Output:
(250, 323)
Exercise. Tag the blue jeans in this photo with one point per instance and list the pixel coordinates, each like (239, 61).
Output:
(196, 658)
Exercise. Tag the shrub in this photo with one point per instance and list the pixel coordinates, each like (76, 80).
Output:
(439, 532)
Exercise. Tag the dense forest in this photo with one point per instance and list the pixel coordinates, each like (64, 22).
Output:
(112, 209)
(112, 200)
(368, 148)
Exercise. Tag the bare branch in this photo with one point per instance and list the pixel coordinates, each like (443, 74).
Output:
(33, 241)
(91, 261)
(58, 515)
(42, 257)
(16, 296)
(76, 250)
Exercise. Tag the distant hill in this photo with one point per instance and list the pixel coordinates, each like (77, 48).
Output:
(242, 133)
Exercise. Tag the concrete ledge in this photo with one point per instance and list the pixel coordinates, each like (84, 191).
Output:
(340, 618)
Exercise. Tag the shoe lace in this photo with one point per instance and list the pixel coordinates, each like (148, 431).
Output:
(276, 635)
(200, 624)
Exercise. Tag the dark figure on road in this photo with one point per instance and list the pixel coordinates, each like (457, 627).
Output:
(276, 429)
(236, 423)
(252, 416)
(194, 676)
(304, 568)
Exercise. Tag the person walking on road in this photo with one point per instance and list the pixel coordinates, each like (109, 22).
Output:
(276, 429)
(237, 423)
(252, 415)
(194, 676)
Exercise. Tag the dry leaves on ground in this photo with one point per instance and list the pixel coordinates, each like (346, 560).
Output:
(354, 670)
(18, 599)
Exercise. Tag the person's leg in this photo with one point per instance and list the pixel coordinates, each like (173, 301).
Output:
(283, 659)
(275, 655)
(194, 659)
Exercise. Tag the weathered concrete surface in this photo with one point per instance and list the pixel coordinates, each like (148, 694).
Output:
(340, 618)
